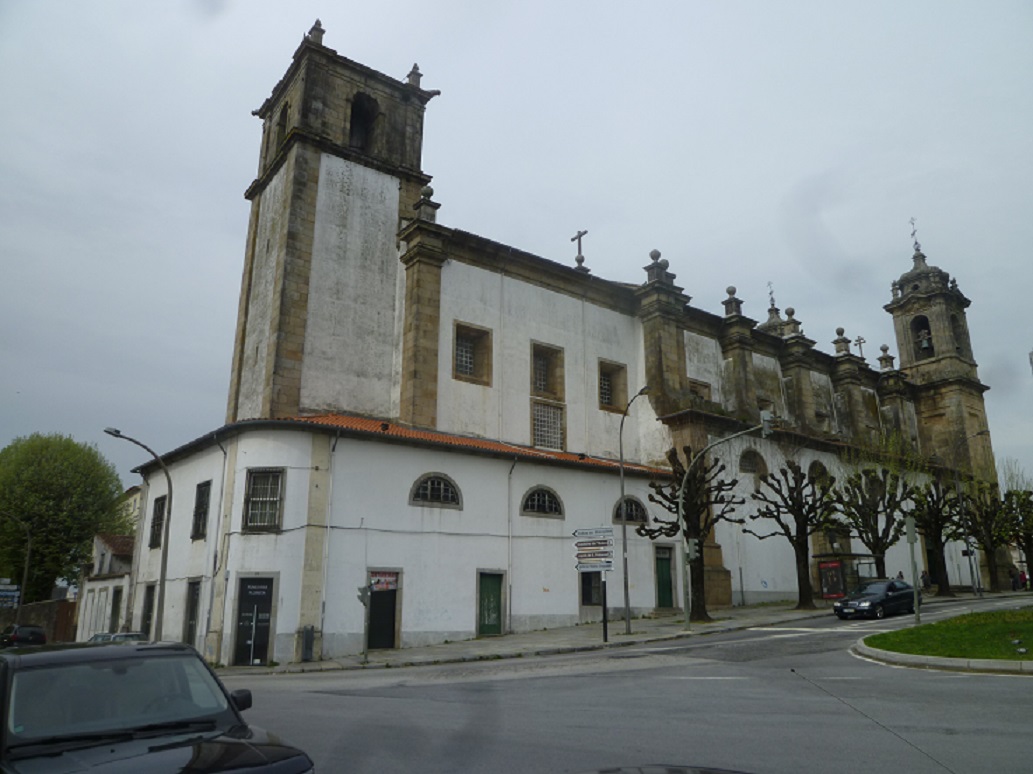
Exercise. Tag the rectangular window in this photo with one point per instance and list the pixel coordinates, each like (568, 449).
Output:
(157, 522)
(591, 588)
(192, 612)
(547, 372)
(199, 528)
(471, 360)
(263, 500)
(547, 425)
(147, 617)
(613, 386)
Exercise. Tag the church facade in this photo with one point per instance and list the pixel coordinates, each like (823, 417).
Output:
(422, 417)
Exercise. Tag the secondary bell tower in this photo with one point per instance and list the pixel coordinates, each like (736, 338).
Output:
(936, 355)
(339, 167)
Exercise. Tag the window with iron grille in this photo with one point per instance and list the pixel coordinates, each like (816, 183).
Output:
(436, 490)
(199, 527)
(634, 512)
(157, 521)
(613, 386)
(471, 360)
(547, 372)
(542, 502)
(547, 425)
(263, 500)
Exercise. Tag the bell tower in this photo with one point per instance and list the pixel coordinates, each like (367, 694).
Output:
(339, 166)
(936, 358)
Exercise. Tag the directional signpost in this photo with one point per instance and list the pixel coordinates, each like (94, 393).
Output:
(593, 552)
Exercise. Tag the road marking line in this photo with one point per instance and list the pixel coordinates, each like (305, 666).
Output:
(709, 678)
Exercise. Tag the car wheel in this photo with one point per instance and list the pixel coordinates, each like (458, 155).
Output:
(880, 611)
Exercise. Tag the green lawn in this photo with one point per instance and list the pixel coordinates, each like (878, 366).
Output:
(976, 635)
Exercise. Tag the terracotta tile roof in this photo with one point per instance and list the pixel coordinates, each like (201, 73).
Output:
(120, 545)
(365, 426)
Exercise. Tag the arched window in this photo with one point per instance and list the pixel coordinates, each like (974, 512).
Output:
(753, 465)
(437, 491)
(634, 511)
(360, 128)
(542, 502)
(922, 338)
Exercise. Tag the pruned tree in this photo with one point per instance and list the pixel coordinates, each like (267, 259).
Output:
(55, 495)
(1018, 503)
(937, 517)
(873, 502)
(800, 504)
(706, 501)
(989, 522)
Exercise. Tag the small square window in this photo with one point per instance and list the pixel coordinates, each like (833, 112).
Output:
(613, 386)
(471, 359)
(547, 372)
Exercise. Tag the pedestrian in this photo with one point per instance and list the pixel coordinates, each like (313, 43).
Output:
(1022, 580)
(927, 582)
(1014, 579)
(900, 575)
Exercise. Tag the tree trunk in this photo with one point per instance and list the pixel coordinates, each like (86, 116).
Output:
(880, 566)
(803, 575)
(699, 591)
(991, 567)
(943, 586)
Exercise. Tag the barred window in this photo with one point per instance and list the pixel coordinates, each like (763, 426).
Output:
(157, 521)
(605, 389)
(263, 500)
(199, 528)
(436, 489)
(634, 511)
(613, 386)
(547, 372)
(464, 355)
(542, 502)
(547, 425)
(471, 356)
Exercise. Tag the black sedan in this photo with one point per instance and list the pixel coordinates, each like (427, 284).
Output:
(128, 707)
(876, 599)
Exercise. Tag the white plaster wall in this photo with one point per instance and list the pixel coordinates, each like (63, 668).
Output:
(350, 333)
(518, 313)
(705, 363)
(768, 378)
(268, 245)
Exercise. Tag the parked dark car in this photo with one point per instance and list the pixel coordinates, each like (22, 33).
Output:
(128, 707)
(119, 637)
(877, 598)
(22, 634)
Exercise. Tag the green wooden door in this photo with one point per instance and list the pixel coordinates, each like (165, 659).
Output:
(489, 612)
(664, 586)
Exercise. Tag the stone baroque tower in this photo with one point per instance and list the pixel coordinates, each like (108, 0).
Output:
(339, 164)
(936, 355)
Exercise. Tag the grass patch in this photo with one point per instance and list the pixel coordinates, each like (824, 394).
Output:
(975, 635)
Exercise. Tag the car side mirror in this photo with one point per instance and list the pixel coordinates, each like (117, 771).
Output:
(241, 699)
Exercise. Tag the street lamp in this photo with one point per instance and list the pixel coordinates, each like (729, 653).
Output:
(160, 604)
(624, 516)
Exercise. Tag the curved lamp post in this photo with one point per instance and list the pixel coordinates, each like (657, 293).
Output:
(624, 515)
(159, 613)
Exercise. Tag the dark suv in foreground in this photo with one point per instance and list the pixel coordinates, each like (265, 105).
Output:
(22, 634)
(128, 707)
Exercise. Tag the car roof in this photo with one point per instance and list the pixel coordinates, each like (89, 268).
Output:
(80, 652)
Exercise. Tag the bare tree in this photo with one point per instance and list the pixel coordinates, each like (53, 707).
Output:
(800, 505)
(989, 522)
(706, 501)
(873, 502)
(937, 517)
(1018, 502)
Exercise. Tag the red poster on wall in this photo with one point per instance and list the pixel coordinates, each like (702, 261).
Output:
(383, 581)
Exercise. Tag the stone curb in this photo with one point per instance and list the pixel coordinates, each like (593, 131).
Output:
(999, 666)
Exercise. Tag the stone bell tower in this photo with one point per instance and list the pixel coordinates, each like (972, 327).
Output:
(339, 166)
(936, 357)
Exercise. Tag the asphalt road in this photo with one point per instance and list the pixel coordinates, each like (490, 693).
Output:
(776, 699)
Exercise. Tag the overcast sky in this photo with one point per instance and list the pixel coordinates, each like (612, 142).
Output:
(750, 142)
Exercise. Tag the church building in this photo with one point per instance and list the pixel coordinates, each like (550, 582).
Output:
(419, 418)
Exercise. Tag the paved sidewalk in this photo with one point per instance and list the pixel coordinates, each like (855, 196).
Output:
(587, 637)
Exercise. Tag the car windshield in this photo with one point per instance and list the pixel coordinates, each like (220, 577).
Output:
(872, 587)
(60, 701)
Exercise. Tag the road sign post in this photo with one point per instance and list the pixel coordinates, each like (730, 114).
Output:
(593, 552)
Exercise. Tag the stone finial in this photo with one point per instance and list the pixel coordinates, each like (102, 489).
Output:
(316, 33)
(885, 359)
(792, 325)
(841, 342)
(657, 270)
(426, 209)
(732, 305)
(414, 76)
(579, 259)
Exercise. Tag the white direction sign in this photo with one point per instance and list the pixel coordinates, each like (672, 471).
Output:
(593, 549)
